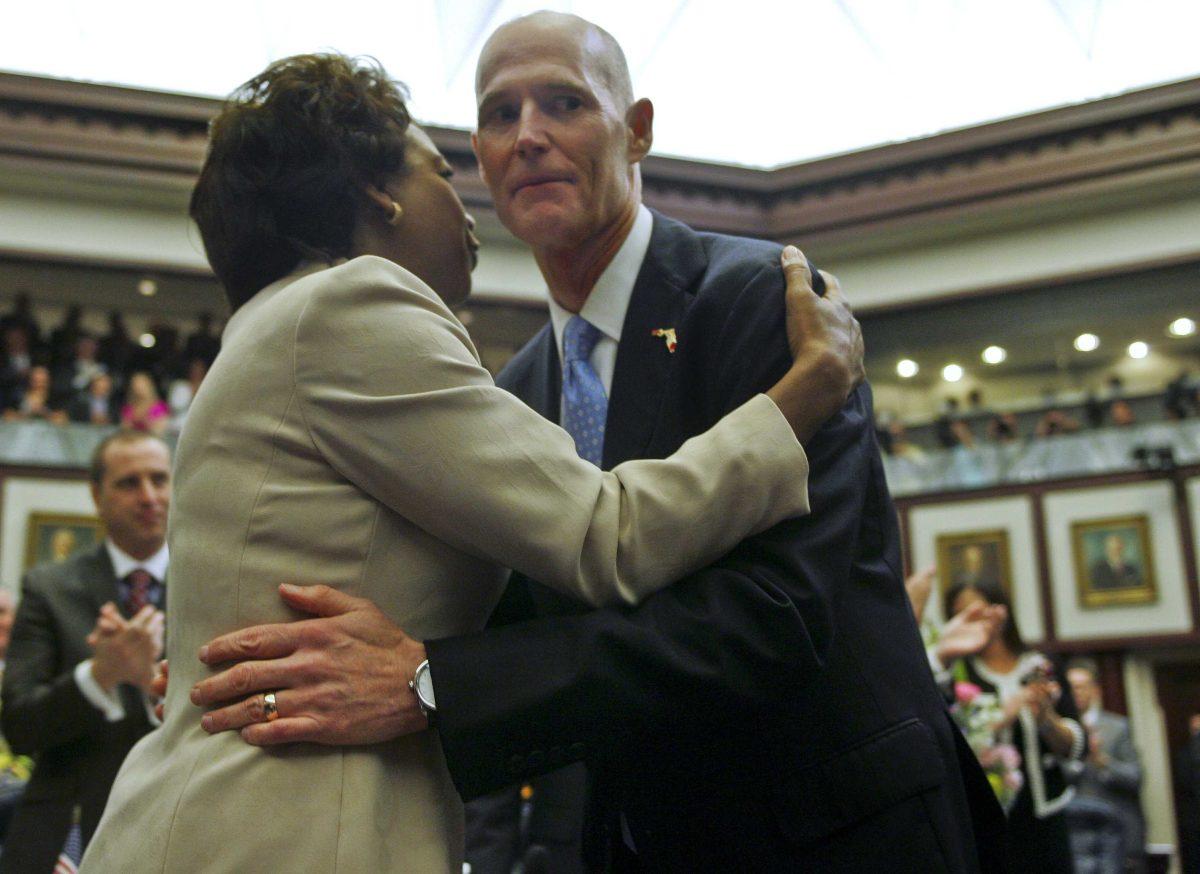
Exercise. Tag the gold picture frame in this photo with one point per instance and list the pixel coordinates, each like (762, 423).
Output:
(974, 557)
(55, 537)
(1114, 561)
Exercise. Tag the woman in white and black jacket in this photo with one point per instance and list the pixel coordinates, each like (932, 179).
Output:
(1039, 720)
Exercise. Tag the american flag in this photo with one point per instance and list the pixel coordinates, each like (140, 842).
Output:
(72, 853)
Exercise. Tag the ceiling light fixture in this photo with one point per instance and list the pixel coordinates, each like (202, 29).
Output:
(1087, 342)
(147, 341)
(147, 287)
(994, 355)
(952, 373)
(907, 368)
(1138, 349)
(1182, 327)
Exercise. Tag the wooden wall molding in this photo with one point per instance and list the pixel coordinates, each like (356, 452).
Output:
(1102, 148)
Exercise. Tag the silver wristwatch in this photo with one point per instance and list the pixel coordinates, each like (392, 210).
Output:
(422, 686)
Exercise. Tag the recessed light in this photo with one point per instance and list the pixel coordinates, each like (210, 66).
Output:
(147, 287)
(907, 368)
(994, 355)
(1087, 342)
(1138, 349)
(1182, 327)
(952, 373)
(147, 341)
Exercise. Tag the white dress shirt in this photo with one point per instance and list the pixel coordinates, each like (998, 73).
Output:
(109, 703)
(608, 302)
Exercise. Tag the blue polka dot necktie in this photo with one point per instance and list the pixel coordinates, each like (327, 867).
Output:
(585, 405)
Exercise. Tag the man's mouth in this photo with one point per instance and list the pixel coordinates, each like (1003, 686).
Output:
(540, 179)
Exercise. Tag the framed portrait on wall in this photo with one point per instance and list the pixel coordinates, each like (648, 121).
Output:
(1114, 561)
(55, 537)
(974, 558)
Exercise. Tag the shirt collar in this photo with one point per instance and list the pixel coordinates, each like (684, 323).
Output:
(608, 301)
(123, 562)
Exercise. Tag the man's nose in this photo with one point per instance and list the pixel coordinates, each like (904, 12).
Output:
(531, 131)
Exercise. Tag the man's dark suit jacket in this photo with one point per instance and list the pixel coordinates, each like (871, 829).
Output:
(45, 715)
(773, 712)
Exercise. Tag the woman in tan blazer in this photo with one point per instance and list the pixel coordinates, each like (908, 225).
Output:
(347, 433)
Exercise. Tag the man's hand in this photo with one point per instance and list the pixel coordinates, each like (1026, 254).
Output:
(919, 587)
(341, 679)
(826, 345)
(968, 632)
(126, 651)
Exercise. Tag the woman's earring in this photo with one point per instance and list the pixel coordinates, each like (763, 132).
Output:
(397, 213)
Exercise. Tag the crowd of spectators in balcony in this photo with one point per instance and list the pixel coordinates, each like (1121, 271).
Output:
(977, 423)
(70, 375)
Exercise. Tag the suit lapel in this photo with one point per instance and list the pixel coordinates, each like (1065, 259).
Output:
(98, 577)
(674, 262)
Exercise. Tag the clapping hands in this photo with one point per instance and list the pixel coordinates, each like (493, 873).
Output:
(126, 650)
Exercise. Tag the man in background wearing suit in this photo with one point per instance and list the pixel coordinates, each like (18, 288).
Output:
(84, 644)
(1111, 774)
(773, 712)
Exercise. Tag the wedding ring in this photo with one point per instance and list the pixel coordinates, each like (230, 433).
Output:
(269, 706)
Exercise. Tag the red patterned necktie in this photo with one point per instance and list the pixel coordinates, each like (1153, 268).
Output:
(140, 580)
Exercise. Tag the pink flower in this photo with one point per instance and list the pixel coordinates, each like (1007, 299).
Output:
(965, 693)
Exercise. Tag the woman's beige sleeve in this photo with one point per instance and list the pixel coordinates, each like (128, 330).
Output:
(395, 398)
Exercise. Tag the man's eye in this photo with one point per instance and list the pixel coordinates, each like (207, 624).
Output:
(501, 115)
(567, 103)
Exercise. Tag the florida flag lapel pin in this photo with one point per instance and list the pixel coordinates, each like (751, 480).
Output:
(668, 335)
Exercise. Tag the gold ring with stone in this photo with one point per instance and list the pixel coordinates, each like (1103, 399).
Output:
(269, 707)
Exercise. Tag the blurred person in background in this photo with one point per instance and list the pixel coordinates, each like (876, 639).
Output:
(87, 636)
(203, 344)
(63, 338)
(183, 391)
(1109, 777)
(98, 405)
(1037, 719)
(143, 409)
(16, 359)
(36, 401)
(14, 770)
(115, 348)
(73, 377)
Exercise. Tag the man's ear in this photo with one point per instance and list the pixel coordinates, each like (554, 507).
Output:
(478, 163)
(640, 121)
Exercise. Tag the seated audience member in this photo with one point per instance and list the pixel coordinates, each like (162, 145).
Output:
(1037, 719)
(96, 406)
(202, 344)
(951, 429)
(144, 410)
(1002, 428)
(179, 398)
(1182, 398)
(1121, 414)
(74, 377)
(901, 446)
(16, 359)
(35, 401)
(1110, 775)
(87, 637)
(1055, 422)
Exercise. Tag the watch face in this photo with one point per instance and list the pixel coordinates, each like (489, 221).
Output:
(425, 688)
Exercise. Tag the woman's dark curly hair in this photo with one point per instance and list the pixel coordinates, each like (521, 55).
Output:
(287, 161)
